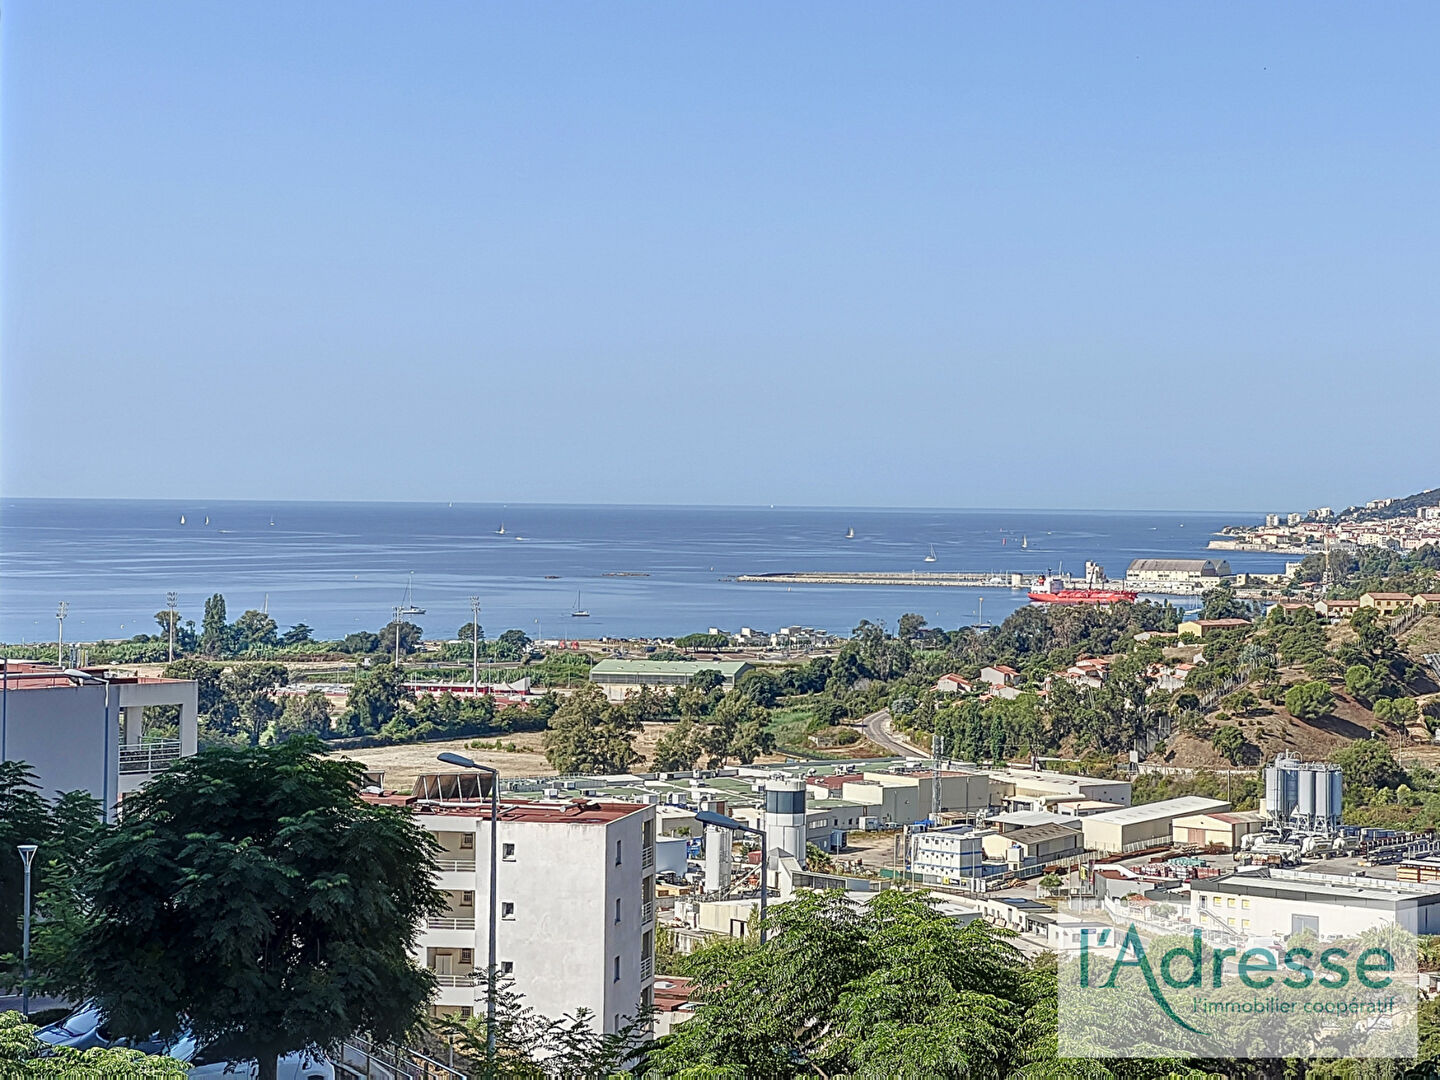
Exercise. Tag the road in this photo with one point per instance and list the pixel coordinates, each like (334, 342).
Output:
(876, 728)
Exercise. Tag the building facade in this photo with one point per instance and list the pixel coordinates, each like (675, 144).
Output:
(620, 678)
(576, 905)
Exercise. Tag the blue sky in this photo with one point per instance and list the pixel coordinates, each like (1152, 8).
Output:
(1095, 255)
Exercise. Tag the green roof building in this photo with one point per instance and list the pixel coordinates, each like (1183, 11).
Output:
(620, 677)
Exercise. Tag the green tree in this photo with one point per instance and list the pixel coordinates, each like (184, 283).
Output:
(512, 645)
(893, 988)
(376, 697)
(24, 819)
(250, 690)
(254, 629)
(760, 686)
(1231, 743)
(297, 635)
(738, 730)
(1241, 701)
(1220, 603)
(587, 734)
(21, 1055)
(307, 714)
(277, 909)
(409, 638)
(215, 635)
(1362, 681)
(910, 625)
(1309, 700)
(679, 749)
(1369, 763)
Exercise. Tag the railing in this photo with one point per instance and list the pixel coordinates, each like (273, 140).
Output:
(467, 979)
(149, 757)
(365, 1059)
(647, 967)
(455, 864)
(451, 924)
(647, 856)
(647, 912)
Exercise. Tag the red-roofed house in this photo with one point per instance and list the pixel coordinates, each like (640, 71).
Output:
(953, 684)
(999, 675)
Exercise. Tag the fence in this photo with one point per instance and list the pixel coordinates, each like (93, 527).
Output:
(149, 757)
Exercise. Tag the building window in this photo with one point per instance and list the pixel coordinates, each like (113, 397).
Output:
(617, 852)
(467, 841)
(507, 852)
(1203, 900)
(617, 969)
(507, 909)
(465, 1012)
(507, 967)
(1230, 901)
(467, 899)
(467, 956)
(1245, 903)
(617, 909)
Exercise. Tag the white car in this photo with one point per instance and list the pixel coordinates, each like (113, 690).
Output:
(301, 1066)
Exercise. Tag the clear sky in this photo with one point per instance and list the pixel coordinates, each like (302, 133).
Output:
(952, 254)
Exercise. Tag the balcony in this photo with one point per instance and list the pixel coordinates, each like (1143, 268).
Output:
(647, 856)
(445, 923)
(647, 967)
(647, 912)
(149, 757)
(456, 864)
(464, 979)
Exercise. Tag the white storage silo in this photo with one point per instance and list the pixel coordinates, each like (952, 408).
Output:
(1306, 806)
(785, 818)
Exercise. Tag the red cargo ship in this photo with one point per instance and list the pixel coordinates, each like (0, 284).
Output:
(1056, 593)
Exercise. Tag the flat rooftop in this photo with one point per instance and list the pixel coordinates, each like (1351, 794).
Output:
(1333, 888)
(1185, 805)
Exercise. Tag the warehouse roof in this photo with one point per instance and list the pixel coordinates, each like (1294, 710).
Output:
(1194, 566)
(1168, 808)
(727, 668)
(1038, 834)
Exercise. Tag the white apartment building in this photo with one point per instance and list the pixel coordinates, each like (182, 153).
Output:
(84, 730)
(576, 898)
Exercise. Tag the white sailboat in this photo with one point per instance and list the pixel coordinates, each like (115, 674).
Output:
(501, 530)
(850, 533)
(931, 556)
(207, 519)
(182, 519)
(1024, 541)
(579, 612)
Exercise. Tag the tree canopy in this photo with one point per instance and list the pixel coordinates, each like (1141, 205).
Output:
(252, 896)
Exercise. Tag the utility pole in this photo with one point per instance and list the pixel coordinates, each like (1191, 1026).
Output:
(475, 645)
(60, 614)
(171, 599)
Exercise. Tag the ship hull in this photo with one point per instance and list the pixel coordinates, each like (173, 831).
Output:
(1085, 596)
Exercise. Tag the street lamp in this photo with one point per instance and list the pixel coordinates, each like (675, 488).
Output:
(494, 775)
(720, 821)
(27, 854)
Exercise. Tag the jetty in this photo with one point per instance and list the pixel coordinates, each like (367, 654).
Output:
(992, 579)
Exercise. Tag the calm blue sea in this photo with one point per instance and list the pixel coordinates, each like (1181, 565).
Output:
(341, 567)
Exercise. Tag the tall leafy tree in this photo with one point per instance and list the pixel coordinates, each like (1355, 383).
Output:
(24, 819)
(587, 734)
(891, 989)
(253, 896)
(376, 697)
(216, 638)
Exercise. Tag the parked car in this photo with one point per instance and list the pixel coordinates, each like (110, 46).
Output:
(80, 1030)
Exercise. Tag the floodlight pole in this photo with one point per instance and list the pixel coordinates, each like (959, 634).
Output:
(27, 854)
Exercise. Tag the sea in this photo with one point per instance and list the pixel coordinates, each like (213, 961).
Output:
(639, 571)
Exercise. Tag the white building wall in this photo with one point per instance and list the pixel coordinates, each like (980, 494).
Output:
(561, 936)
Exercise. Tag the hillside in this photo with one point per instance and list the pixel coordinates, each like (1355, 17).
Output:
(1405, 507)
(1269, 729)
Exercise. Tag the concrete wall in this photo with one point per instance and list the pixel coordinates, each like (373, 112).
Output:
(63, 733)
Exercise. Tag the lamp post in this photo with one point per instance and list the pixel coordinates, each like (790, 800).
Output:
(720, 821)
(475, 646)
(27, 855)
(494, 774)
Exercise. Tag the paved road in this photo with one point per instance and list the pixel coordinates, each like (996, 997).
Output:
(875, 729)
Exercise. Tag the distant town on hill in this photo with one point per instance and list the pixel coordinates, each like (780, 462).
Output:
(1377, 509)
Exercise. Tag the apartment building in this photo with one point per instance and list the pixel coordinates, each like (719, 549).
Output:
(85, 729)
(576, 901)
